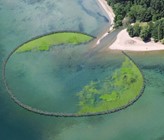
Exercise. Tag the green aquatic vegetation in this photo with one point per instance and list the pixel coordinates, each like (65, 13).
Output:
(109, 96)
(45, 42)
(89, 94)
(118, 90)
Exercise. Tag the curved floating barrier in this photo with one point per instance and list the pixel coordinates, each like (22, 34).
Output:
(105, 101)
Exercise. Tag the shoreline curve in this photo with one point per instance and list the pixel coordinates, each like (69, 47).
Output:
(124, 41)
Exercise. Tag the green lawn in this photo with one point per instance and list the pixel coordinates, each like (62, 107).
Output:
(44, 43)
(113, 92)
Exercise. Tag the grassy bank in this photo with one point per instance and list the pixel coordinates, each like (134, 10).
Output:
(45, 42)
(113, 92)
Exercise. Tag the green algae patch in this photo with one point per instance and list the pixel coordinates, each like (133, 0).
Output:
(114, 92)
(44, 43)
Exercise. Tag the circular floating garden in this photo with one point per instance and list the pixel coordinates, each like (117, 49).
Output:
(102, 96)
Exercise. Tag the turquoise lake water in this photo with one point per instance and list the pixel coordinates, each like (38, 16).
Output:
(50, 80)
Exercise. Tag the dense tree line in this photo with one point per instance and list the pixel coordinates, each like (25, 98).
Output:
(144, 31)
(139, 11)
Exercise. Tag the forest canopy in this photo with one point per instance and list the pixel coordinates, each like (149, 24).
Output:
(148, 16)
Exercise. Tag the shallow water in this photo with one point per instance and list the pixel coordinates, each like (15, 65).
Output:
(51, 80)
(70, 66)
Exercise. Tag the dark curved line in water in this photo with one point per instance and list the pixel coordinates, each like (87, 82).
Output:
(92, 14)
(104, 17)
(56, 114)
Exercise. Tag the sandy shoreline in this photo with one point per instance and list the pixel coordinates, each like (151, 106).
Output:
(124, 41)
(108, 10)
(111, 15)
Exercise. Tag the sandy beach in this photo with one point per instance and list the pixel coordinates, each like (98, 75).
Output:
(124, 41)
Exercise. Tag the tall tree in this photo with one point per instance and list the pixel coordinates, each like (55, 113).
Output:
(145, 33)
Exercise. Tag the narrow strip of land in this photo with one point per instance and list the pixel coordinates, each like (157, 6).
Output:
(43, 43)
